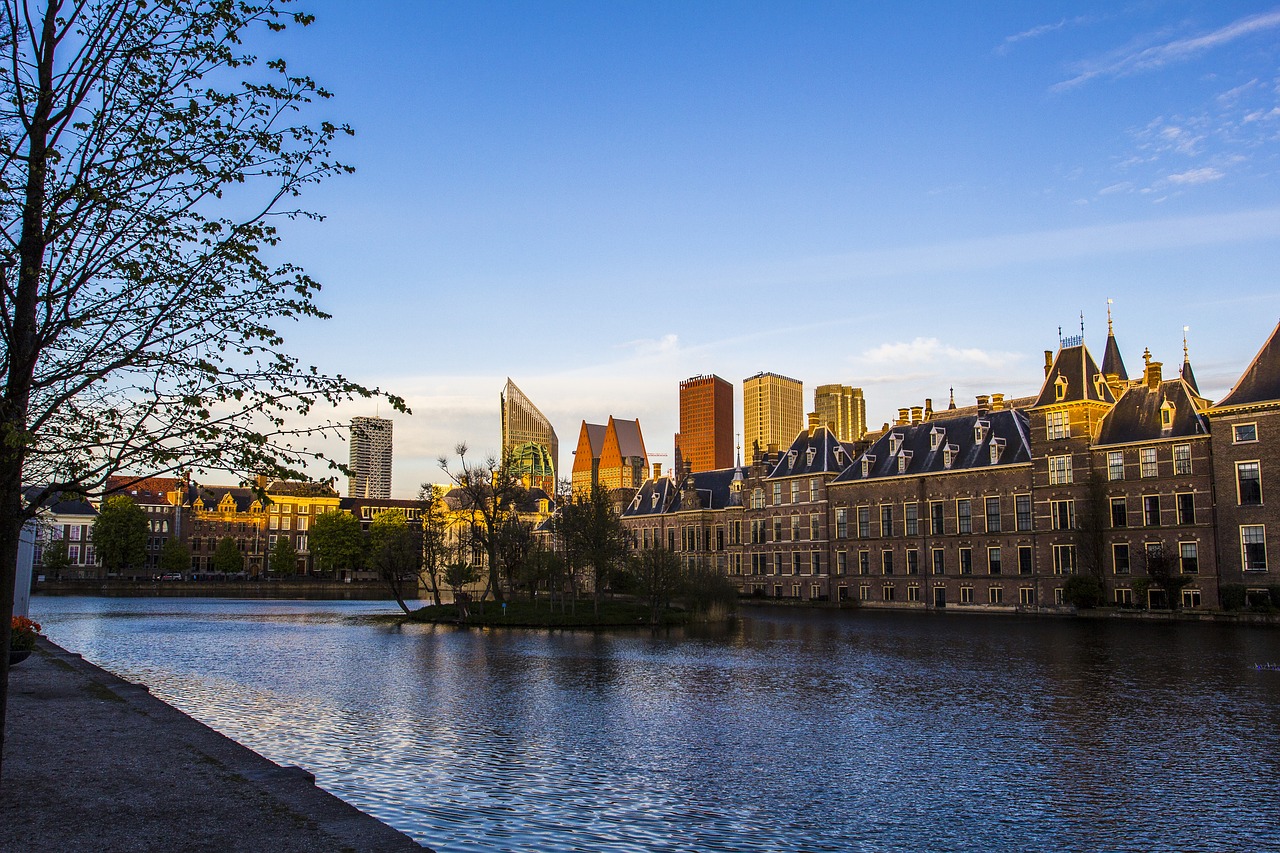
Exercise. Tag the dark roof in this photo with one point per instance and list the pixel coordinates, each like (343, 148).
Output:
(817, 452)
(1189, 377)
(630, 443)
(300, 489)
(595, 437)
(212, 496)
(925, 454)
(1112, 363)
(1136, 415)
(60, 504)
(1261, 380)
(666, 495)
(1075, 365)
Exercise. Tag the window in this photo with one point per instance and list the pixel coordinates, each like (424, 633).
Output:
(842, 562)
(993, 561)
(1244, 433)
(1189, 558)
(1057, 424)
(1191, 598)
(777, 493)
(813, 488)
(757, 498)
(1186, 508)
(1064, 559)
(1115, 465)
(912, 513)
(913, 592)
(1059, 470)
(1124, 597)
(864, 522)
(980, 428)
(864, 562)
(1026, 595)
(966, 561)
(302, 544)
(814, 526)
(939, 561)
(935, 518)
(304, 509)
(1119, 512)
(904, 461)
(1253, 543)
(995, 595)
(284, 522)
(1024, 559)
(842, 522)
(1149, 467)
(273, 523)
(867, 462)
(993, 515)
(949, 455)
(895, 442)
(1166, 415)
(795, 491)
(1022, 507)
(886, 562)
(1062, 514)
(886, 520)
(1120, 558)
(796, 568)
(1151, 510)
(864, 592)
(887, 592)
(966, 595)
(795, 528)
(777, 528)
(1182, 459)
(964, 516)
(996, 448)
(1249, 483)
(302, 523)
(935, 437)
(913, 561)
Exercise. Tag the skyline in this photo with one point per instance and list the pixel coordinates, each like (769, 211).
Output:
(603, 202)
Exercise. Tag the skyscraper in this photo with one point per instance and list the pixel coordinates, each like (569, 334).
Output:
(528, 440)
(705, 440)
(841, 409)
(772, 411)
(370, 458)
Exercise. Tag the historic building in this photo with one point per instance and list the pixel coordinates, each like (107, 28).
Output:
(841, 409)
(370, 461)
(705, 440)
(772, 411)
(529, 443)
(610, 455)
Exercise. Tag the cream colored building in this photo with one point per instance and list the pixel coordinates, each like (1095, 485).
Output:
(842, 409)
(772, 411)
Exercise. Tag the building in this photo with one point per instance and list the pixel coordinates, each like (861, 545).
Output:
(705, 440)
(528, 441)
(610, 455)
(370, 458)
(772, 411)
(841, 409)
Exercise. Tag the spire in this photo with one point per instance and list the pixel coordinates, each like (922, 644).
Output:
(953, 398)
(1187, 375)
(1112, 363)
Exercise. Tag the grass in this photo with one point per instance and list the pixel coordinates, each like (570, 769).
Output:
(540, 614)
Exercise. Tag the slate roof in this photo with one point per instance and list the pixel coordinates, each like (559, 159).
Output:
(595, 437)
(1261, 380)
(1010, 426)
(301, 489)
(1136, 415)
(56, 504)
(819, 452)
(1112, 363)
(1076, 365)
(665, 495)
(212, 496)
(1189, 377)
(630, 443)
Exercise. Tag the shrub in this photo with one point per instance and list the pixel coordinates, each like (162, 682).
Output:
(1232, 596)
(1083, 591)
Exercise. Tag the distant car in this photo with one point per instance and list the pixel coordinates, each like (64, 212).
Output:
(172, 576)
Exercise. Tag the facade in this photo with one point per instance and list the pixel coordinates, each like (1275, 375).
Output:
(370, 461)
(772, 411)
(841, 409)
(705, 440)
(1142, 483)
(610, 455)
(528, 440)
(69, 519)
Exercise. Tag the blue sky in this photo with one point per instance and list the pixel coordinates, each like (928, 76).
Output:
(602, 199)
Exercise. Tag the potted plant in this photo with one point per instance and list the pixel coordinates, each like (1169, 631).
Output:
(22, 638)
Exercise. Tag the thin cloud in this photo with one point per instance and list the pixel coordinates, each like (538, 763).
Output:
(1180, 50)
(1196, 176)
(1041, 30)
(932, 351)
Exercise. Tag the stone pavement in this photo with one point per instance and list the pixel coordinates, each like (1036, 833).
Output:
(94, 763)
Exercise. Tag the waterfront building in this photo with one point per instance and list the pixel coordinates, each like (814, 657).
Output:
(841, 409)
(772, 411)
(610, 455)
(705, 440)
(529, 442)
(70, 519)
(370, 459)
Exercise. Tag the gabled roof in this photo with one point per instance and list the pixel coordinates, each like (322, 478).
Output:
(58, 504)
(1112, 363)
(926, 446)
(1261, 380)
(211, 496)
(595, 437)
(630, 442)
(819, 452)
(652, 498)
(1076, 367)
(1136, 415)
(666, 495)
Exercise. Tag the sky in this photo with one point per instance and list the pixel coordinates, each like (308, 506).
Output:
(600, 200)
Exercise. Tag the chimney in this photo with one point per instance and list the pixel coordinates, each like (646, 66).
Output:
(902, 416)
(916, 414)
(928, 408)
(1048, 362)
(657, 470)
(261, 481)
(1152, 377)
(814, 422)
(997, 402)
(984, 403)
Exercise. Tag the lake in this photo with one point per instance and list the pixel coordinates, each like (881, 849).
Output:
(792, 730)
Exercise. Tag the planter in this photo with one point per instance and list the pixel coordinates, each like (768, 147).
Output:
(17, 656)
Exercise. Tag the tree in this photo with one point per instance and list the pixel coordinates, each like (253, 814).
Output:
(145, 154)
(336, 542)
(120, 534)
(395, 552)
(491, 491)
(658, 577)
(56, 558)
(594, 538)
(433, 513)
(284, 557)
(514, 545)
(1163, 573)
(226, 557)
(175, 557)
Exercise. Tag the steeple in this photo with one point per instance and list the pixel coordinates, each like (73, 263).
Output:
(953, 399)
(1187, 376)
(1112, 363)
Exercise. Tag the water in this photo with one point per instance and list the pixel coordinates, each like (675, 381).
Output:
(793, 731)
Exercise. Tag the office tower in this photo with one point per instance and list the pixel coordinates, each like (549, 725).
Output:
(705, 440)
(772, 411)
(528, 441)
(370, 458)
(841, 409)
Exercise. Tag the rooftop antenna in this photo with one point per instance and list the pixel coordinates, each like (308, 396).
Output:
(1110, 330)
(1185, 355)
(1082, 326)
(1059, 337)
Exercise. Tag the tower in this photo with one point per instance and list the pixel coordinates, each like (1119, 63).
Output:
(528, 440)
(370, 458)
(772, 410)
(842, 409)
(705, 440)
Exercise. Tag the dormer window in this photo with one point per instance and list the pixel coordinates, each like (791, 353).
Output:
(867, 461)
(895, 442)
(1099, 382)
(936, 435)
(904, 461)
(839, 453)
(949, 455)
(1060, 388)
(653, 501)
(791, 459)
(809, 454)
(980, 430)
(997, 447)
(1166, 415)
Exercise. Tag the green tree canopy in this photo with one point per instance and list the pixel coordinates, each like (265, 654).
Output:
(336, 541)
(175, 556)
(227, 558)
(395, 553)
(284, 557)
(56, 559)
(120, 534)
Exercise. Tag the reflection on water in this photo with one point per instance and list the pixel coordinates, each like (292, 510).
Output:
(790, 731)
